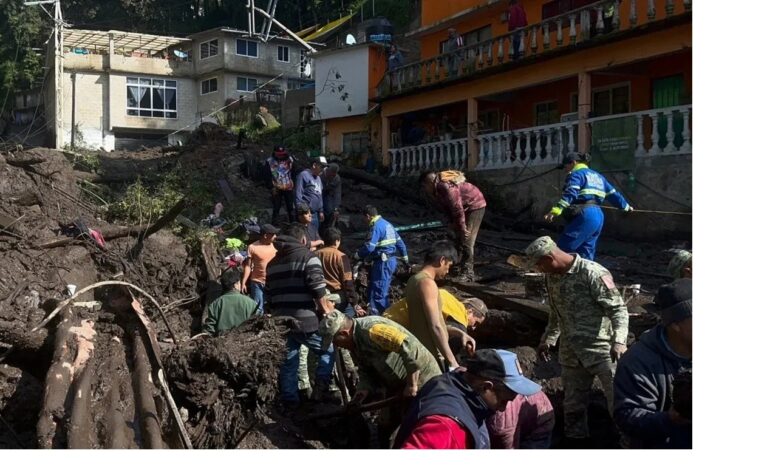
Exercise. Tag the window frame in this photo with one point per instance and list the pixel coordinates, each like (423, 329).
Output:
(546, 102)
(208, 80)
(208, 49)
(152, 86)
(247, 41)
(610, 88)
(288, 54)
(248, 79)
(361, 138)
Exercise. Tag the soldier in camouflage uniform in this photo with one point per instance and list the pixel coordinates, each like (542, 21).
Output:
(387, 354)
(589, 314)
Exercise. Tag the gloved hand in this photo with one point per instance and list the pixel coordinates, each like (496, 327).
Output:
(628, 209)
(405, 259)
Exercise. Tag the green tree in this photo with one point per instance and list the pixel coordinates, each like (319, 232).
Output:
(21, 29)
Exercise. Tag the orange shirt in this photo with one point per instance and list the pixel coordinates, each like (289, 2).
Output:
(259, 256)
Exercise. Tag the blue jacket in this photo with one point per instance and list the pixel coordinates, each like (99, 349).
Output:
(448, 395)
(309, 189)
(584, 184)
(383, 238)
(643, 386)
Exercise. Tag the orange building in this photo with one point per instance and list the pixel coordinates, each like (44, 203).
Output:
(613, 77)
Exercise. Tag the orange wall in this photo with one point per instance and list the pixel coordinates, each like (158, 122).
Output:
(675, 39)
(441, 9)
(378, 65)
(336, 127)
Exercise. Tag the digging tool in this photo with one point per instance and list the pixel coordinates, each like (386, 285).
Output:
(375, 405)
(339, 375)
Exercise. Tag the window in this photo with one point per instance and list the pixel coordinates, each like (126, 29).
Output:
(283, 53)
(209, 48)
(355, 142)
(149, 97)
(208, 86)
(546, 113)
(614, 99)
(247, 84)
(246, 48)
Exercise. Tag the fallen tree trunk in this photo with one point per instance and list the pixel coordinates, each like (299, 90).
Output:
(167, 218)
(213, 289)
(149, 422)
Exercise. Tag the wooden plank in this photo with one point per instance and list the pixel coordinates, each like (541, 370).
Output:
(503, 301)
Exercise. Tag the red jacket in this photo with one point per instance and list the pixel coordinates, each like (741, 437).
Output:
(457, 199)
(517, 17)
(438, 432)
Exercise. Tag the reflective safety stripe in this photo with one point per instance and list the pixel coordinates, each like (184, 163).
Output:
(562, 203)
(611, 192)
(592, 192)
(388, 242)
(574, 186)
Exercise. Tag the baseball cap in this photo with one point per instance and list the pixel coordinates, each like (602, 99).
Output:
(270, 229)
(329, 326)
(678, 262)
(537, 249)
(321, 159)
(675, 301)
(280, 151)
(302, 207)
(477, 305)
(498, 364)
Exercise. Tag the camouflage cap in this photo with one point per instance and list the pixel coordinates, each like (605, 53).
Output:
(477, 304)
(678, 262)
(329, 327)
(539, 248)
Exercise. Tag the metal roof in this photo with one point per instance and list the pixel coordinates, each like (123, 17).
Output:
(123, 40)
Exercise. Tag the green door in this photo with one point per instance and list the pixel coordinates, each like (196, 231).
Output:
(667, 92)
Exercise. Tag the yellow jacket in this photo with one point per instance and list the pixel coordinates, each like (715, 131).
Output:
(451, 307)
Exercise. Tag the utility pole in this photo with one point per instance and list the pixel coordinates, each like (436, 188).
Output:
(58, 61)
(252, 21)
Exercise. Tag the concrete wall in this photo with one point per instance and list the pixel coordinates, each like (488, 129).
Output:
(670, 178)
(294, 100)
(353, 67)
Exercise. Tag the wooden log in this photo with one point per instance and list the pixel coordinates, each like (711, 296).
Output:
(167, 218)
(213, 289)
(149, 422)
(504, 301)
(80, 433)
(117, 431)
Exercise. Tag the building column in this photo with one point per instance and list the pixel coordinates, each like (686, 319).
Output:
(584, 109)
(385, 137)
(473, 147)
(323, 137)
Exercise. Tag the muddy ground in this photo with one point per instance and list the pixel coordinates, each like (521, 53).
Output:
(224, 388)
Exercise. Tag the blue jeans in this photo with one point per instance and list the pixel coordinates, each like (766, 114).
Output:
(256, 289)
(288, 375)
(582, 233)
(316, 222)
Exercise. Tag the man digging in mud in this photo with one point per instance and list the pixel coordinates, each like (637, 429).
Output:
(389, 359)
(232, 308)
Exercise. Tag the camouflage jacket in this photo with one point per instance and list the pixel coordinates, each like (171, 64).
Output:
(587, 311)
(386, 353)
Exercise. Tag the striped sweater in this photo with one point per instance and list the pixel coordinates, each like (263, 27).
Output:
(295, 280)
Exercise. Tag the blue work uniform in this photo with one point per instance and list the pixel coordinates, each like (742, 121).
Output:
(585, 190)
(384, 242)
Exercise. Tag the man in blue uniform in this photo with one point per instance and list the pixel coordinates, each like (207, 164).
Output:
(584, 192)
(383, 245)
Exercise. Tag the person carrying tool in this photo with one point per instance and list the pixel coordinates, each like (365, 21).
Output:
(450, 411)
(391, 361)
(464, 204)
(280, 166)
(383, 246)
(650, 409)
(583, 194)
(232, 308)
(309, 190)
(589, 314)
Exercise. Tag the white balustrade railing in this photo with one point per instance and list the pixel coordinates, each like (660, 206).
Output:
(662, 131)
(542, 145)
(438, 155)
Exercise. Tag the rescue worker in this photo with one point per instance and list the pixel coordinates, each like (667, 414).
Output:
(584, 192)
(383, 246)
(280, 167)
(464, 204)
(680, 266)
(450, 410)
(590, 316)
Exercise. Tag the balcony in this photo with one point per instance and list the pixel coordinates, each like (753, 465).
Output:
(592, 24)
(663, 131)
